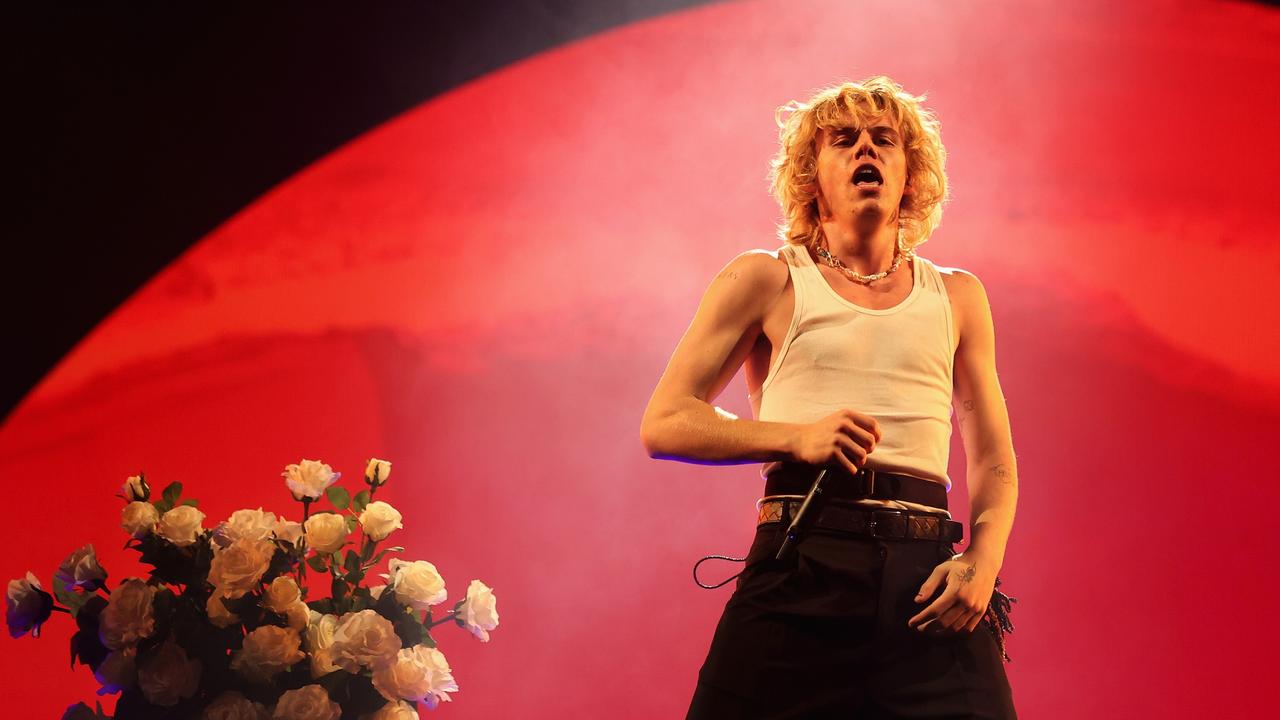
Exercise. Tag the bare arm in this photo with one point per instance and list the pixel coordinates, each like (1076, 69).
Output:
(969, 578)
(984, 424)
(681, 424)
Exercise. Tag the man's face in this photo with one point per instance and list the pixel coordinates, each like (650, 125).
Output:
(861, 172)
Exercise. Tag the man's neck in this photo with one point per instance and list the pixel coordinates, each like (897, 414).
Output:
(865, 252)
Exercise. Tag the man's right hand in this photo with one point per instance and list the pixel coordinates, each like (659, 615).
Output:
(845, 437)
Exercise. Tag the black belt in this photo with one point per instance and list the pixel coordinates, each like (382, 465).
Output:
(797, 478)
(838, 513)
(886, 523)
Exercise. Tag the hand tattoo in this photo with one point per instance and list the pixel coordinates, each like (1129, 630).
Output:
(968, 574)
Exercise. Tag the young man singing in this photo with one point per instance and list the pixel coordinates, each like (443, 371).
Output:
(856, 349)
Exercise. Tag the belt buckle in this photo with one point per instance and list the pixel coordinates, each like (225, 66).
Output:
(873, 527)
(870, 475)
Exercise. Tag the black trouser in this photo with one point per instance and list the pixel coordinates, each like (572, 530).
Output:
(824, 635)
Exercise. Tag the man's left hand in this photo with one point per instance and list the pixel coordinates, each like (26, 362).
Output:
(962, 605)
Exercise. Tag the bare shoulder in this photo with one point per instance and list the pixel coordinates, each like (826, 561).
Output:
(758, 266)
(962, 286)
(760, 275)
(969, 303)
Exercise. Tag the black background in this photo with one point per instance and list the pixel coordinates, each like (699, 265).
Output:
(136, 128)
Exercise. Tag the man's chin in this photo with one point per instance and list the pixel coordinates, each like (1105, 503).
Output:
(872, 208)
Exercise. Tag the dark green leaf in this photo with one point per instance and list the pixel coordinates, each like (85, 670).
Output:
(361, 698)
(172, 492)
(411, 631)
(360, 501)
(88, 649)
(334, 682)
(377, 558)
(339, 497)
(351, 524)
(353, 562)
(317, 563)
(163, 506)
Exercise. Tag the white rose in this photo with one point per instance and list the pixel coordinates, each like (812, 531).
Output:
(297, 614)
(128, 616)
(379, 519)
(139, 518)
(218, 613)
(239, 568)
(479, 611)
(322, 663)
(376, 591)
(136, 488)
(326, 532)
(419, 673)
(309, 479)
(309, 702)
(320, 627)
(393, 711)
(288, 531)
(180, 525)
(231, 705)
(416, 583)
(377, 472)
(27, 606)
(167, 675)
(267, 650)
(251, 524)
(117, 671)
(319, 638)
(281, 593)
(81, 570)
(364, 639)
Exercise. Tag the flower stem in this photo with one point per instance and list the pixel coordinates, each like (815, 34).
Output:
(443, 619)
(302, 556)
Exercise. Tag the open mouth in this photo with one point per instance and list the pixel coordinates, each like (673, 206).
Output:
(867, 176)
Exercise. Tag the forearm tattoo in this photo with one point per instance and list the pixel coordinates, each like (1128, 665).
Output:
(727, 275)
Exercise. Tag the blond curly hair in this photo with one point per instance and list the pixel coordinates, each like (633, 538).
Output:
(794, 170)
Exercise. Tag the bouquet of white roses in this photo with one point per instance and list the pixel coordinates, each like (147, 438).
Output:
(229, 627)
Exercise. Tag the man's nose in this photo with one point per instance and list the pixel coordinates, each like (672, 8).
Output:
(864, 146)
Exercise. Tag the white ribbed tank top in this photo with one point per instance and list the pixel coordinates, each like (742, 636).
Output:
(893, 364)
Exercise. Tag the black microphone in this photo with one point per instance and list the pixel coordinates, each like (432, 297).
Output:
(793, 531)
